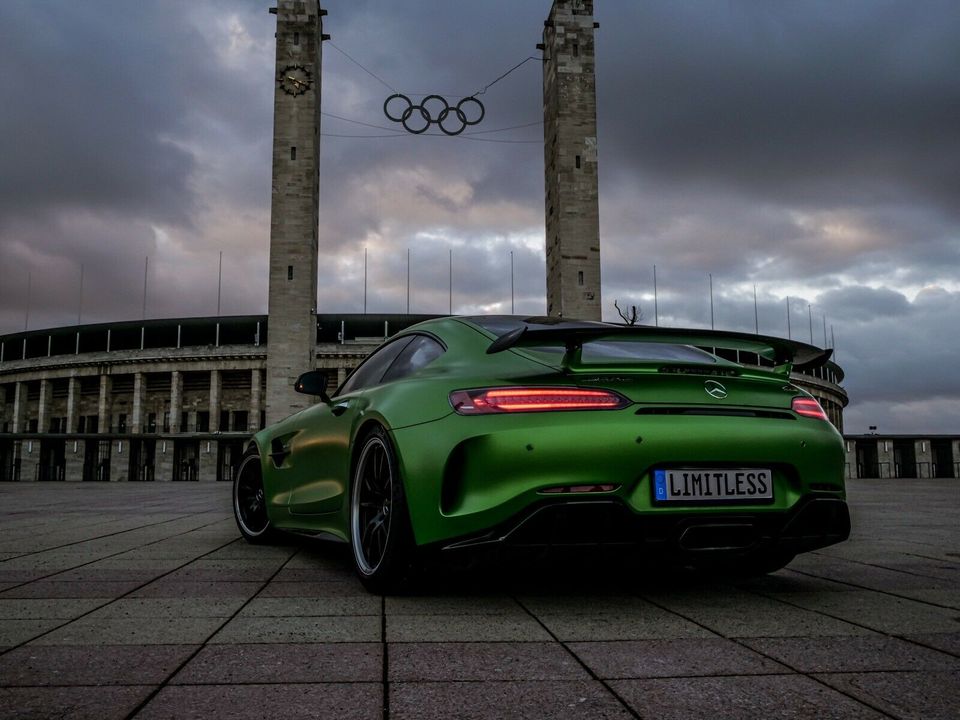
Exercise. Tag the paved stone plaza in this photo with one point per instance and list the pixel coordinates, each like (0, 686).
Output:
(123, 600)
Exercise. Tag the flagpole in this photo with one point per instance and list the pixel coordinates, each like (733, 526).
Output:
(656, 309)
(756, 314)
(789, 335)
(511, 283)
(146, 267)
(711, 301)
(219, 282)
(80, 297)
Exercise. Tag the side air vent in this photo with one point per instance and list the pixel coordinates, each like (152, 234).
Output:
(719, 412)
(700, 370)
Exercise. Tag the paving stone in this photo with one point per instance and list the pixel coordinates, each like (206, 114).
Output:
(739, 615)
(758, 696)
(574, 603)
(284, 663)
(650, 625)
(312, 607)
(947, 642)
(165, 588)
(42, 608)
(92, 573)
(300, 630)
(469, 605)
(194, 574)
(463, 628)
(133, 631)
(852, 654)
(881, 612)
(351, 701)
(920, 695)
(504, 700)
(58, 589)
(91, 664)
(672, 658)
(76, 703)
(945, 598)
(313, 589)
(14, 632)
(169, 608)
(420, 662)
(321, 573)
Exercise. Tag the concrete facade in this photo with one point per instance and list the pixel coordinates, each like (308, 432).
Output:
(295, 205)
(570, 162)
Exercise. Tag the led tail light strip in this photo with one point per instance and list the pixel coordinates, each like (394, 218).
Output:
(534, 399)
(808, 407)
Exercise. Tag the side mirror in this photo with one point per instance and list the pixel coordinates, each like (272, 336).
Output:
(313, 382)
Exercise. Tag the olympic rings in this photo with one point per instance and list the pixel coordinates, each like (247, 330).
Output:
(438, 114)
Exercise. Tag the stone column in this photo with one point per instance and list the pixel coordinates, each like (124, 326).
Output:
(216, 385)
(207, 462)
(255, 400)
(570, 162)
(120, 461)
(163, 461)
(43, 407)
(139, 386)
(29, 460)
(19, 408)
(74, 457)
(104, 407)
(885, 458)
(850, 449)
(341, 375)
(924, 451)
(176, 400)
(73, 403)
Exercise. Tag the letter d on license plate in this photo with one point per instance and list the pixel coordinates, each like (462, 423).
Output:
(706, 485)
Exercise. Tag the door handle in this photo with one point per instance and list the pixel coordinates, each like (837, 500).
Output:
(340, 408)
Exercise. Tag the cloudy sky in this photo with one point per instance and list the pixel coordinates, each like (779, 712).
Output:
(809, 148)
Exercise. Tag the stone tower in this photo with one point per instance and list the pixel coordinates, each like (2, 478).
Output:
(295, 206)
(570, 161)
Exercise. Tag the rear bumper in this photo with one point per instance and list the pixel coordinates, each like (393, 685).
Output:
(813, 522)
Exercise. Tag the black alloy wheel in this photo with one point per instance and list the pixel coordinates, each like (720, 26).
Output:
(249, 501)
(380, 531)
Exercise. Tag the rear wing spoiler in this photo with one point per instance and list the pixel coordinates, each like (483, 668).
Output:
(785, 354)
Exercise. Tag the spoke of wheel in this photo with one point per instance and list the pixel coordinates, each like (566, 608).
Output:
(378, 463)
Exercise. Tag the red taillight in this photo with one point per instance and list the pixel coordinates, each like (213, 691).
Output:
(529, 399)
(808, 407)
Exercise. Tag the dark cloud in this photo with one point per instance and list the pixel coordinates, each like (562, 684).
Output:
(808, 149)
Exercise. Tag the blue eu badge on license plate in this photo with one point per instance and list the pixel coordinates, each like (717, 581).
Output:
(660, 484)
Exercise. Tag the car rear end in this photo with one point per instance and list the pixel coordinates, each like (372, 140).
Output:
(653, 445)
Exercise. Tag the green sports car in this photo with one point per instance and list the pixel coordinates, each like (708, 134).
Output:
(464, 433)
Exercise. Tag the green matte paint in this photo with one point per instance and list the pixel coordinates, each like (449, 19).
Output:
(465, 474)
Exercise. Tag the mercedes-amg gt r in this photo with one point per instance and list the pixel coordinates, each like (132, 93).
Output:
(469, 432)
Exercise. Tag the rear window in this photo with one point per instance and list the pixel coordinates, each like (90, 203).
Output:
(609, 352)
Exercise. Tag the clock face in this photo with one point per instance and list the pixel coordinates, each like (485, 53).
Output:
(294, 79)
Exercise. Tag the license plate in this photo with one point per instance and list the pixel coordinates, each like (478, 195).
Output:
(706, 485)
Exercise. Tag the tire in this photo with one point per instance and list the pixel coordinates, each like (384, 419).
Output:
(249, 503)
(381, 536)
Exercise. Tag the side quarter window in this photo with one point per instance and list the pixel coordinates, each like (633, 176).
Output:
(421, 351)
(371, 370)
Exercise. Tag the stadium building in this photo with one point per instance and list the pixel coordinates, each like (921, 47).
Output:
(177, 399)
